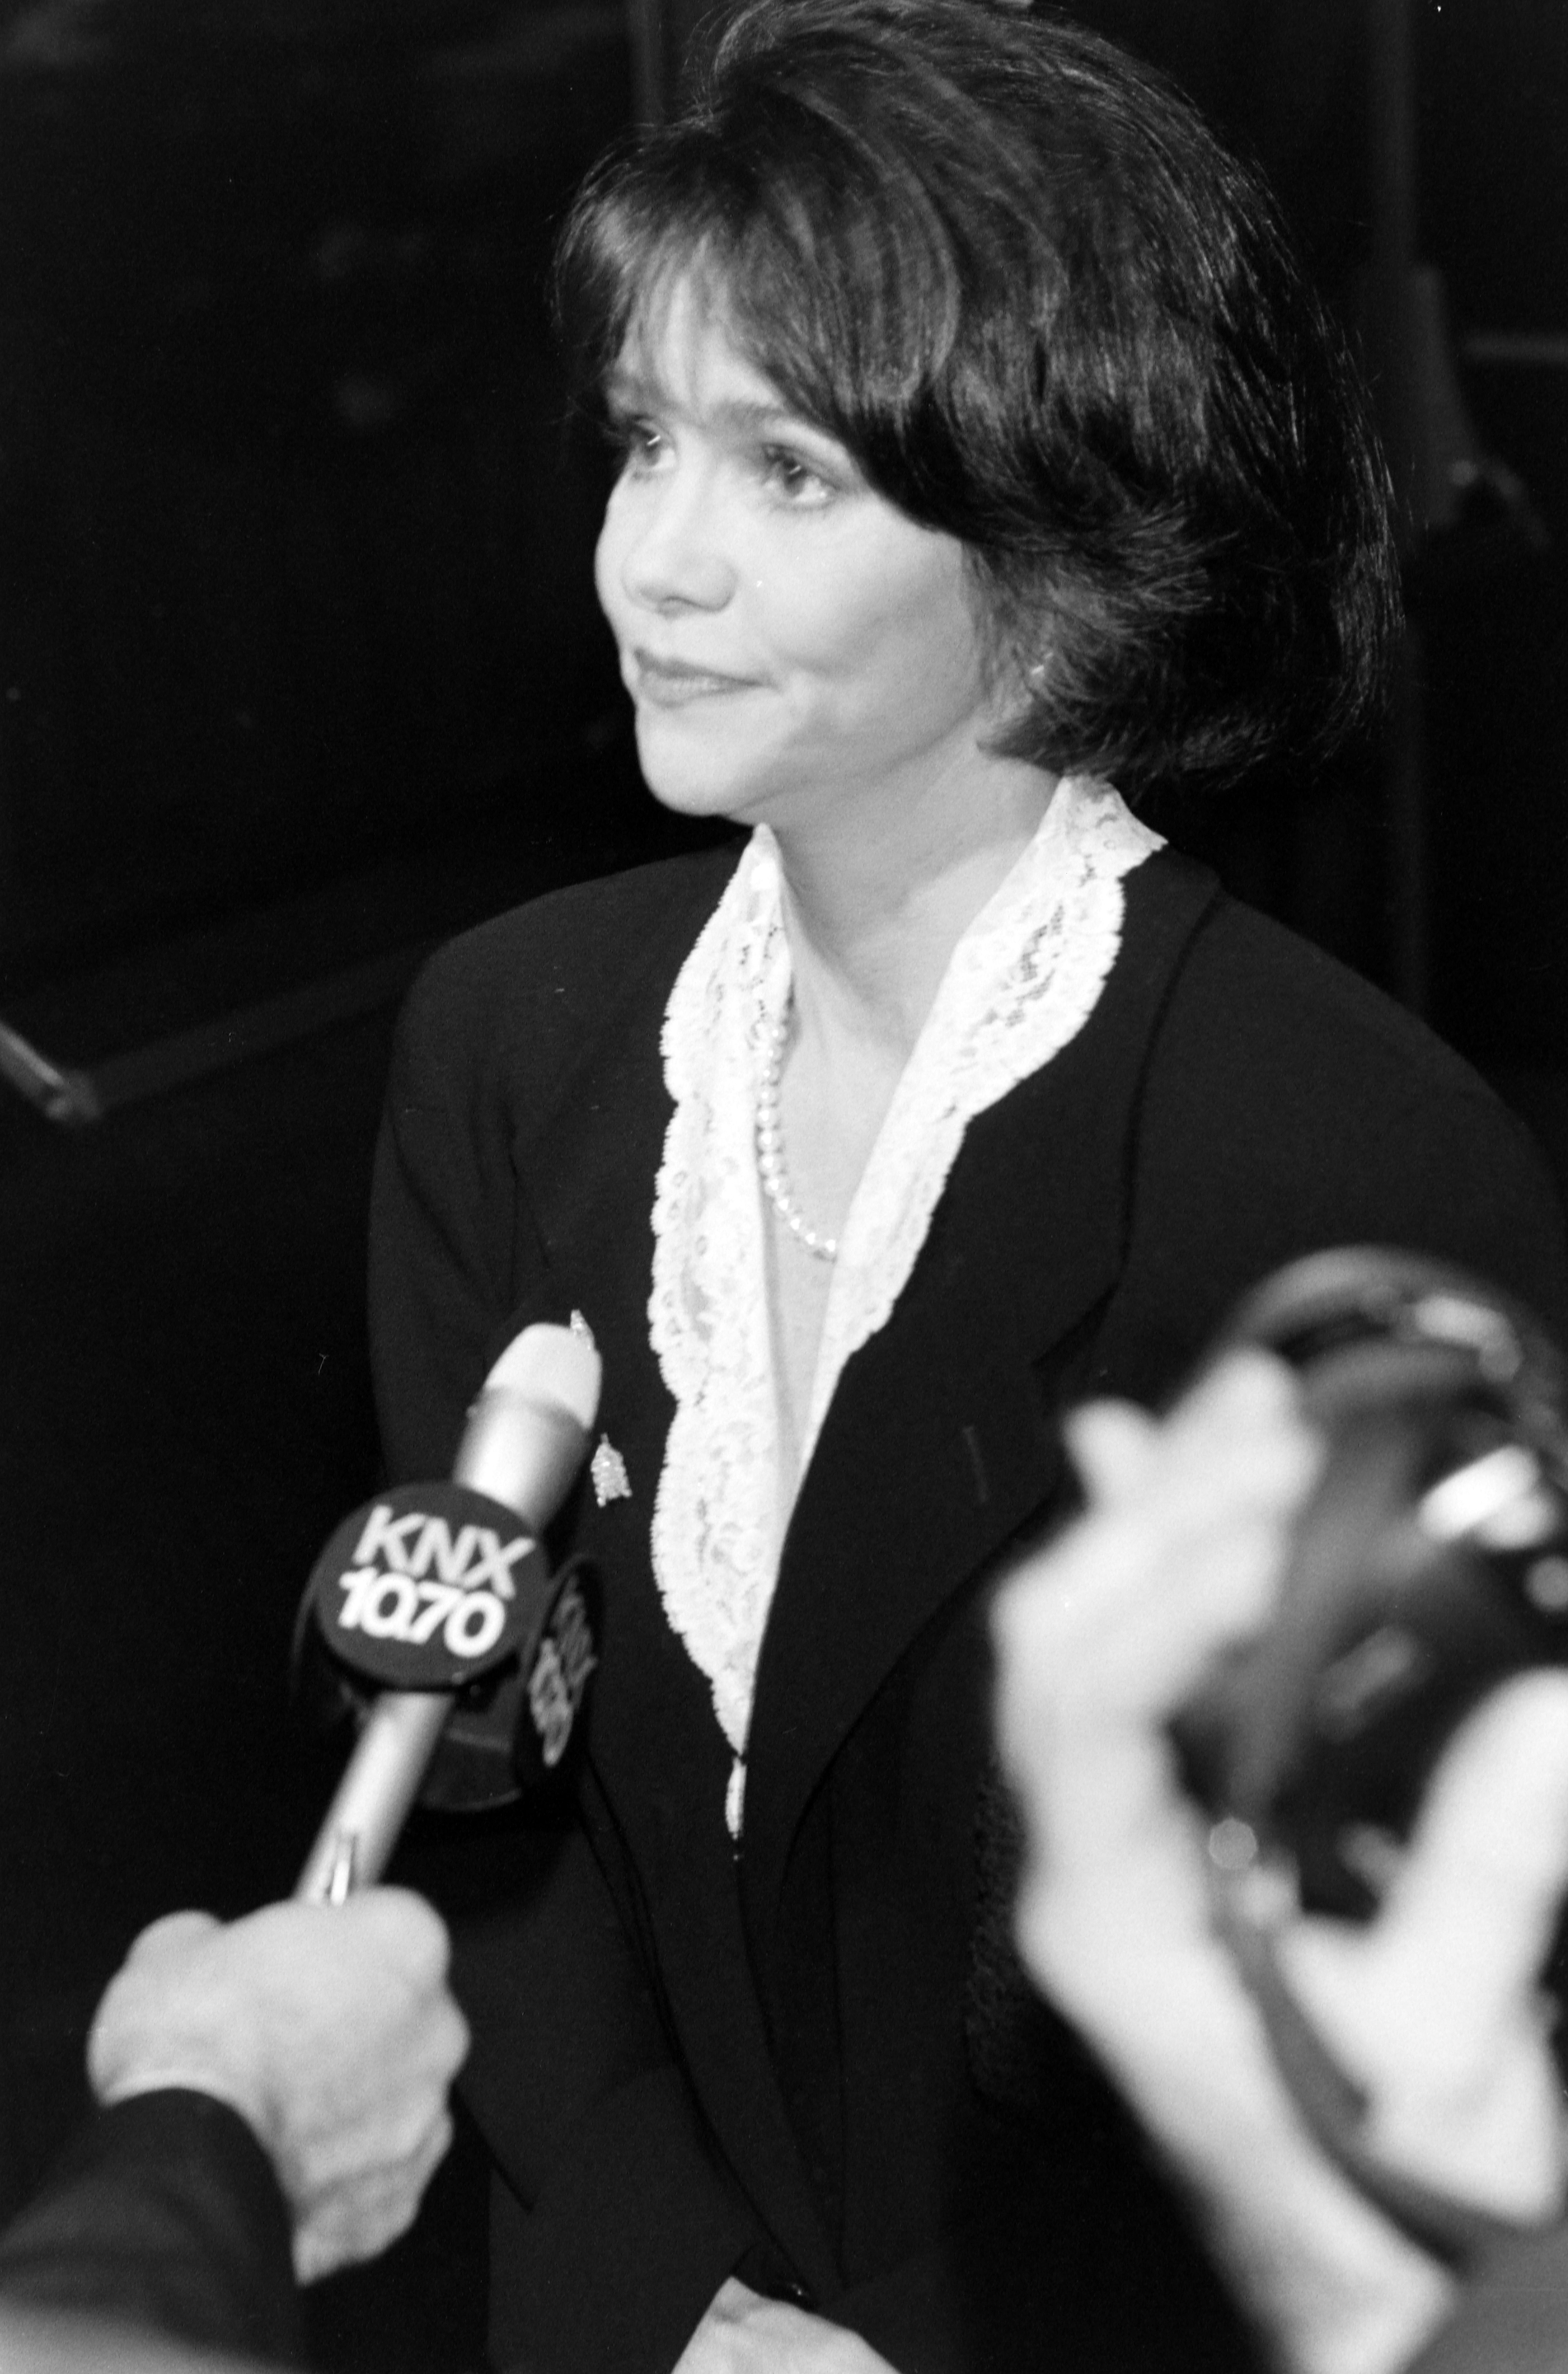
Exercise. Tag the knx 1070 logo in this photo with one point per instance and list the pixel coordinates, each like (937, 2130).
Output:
(413, 1574)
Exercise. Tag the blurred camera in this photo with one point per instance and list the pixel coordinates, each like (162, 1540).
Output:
(1430, 1563)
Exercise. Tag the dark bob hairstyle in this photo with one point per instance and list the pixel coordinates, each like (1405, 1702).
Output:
(1014, 273)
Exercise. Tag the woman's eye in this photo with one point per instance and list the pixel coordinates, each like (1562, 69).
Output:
(636, 444)
(797, 479)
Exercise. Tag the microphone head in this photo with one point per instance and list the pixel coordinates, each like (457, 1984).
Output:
(527, 1435)
(552, 1365)
(437, 1587)
(443, 1588)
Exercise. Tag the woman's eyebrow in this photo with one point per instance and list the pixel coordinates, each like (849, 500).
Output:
(753, 416)
(630, 390)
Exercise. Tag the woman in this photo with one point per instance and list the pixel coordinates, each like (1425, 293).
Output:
(980, 448)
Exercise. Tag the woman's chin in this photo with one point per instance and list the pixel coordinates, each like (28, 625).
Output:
(686, 779)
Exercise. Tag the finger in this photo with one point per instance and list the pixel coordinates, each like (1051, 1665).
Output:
(1244, 1416)
(1237, 1448)
(357, 2217)
(173, 1934)
(452, 2040)
(1123, 1619)
(1111, 1625)
(345, 2139)
(405, 1928)
(431, 2152)
(1247, 1385)
(1110, 1443)
(1478, 1896)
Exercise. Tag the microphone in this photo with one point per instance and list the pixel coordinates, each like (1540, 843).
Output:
(432, 1589)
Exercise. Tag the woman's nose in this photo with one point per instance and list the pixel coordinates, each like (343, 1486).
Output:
(674, 557)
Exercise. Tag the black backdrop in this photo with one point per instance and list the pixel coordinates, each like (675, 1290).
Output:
(292, 545)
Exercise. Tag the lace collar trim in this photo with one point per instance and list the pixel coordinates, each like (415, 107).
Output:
(1021, 983)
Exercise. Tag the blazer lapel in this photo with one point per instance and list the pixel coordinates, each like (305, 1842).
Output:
(652, 1735)
(941, 1443)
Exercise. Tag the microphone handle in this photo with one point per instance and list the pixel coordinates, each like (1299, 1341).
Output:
(380, 1783)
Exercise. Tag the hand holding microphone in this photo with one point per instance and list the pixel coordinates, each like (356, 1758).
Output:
(335, 2039)
(439, 1598)
(333, 2036)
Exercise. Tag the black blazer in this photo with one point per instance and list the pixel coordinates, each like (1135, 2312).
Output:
(815, 2061)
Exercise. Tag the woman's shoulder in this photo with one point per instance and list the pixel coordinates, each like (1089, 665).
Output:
(1256, 1004)
(1289, 1103)
(1238, 1011)
(561, 961)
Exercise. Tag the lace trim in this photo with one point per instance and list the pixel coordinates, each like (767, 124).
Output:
(1021, 982)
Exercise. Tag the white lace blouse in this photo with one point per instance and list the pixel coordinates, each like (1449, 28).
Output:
(1021, 983)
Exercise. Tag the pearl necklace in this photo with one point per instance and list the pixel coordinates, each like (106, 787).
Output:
(770, 1148)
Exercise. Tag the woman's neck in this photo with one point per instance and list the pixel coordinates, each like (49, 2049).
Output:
(873, 918)
(872, 922)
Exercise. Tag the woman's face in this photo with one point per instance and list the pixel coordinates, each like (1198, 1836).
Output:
(792, 643)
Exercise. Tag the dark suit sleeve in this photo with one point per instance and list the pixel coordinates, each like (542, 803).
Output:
(165, 2213)
(615, 2220)
(487, 1065)
(441, 1256)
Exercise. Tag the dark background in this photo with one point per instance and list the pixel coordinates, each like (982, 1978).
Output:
(299, 670)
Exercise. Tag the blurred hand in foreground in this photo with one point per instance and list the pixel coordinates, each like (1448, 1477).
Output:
(331, 2031)
(1432, 2007)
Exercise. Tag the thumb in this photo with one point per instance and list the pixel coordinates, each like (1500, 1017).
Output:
(1478, 1896)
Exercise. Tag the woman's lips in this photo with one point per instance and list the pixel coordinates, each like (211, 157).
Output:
(672, 684)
